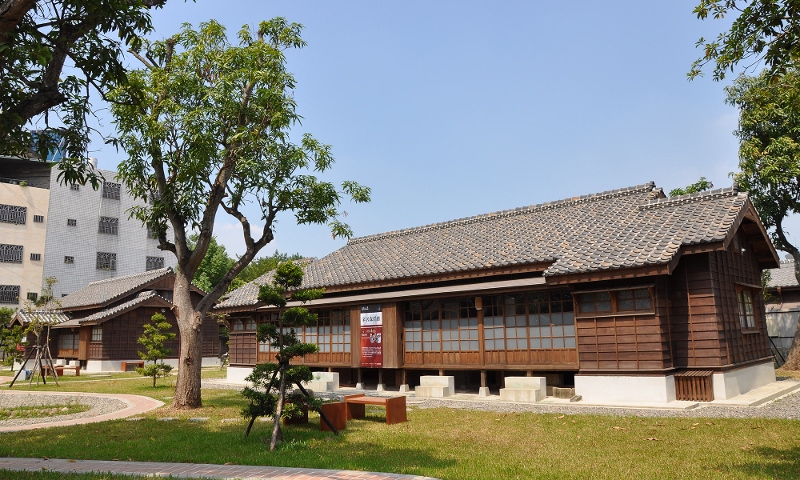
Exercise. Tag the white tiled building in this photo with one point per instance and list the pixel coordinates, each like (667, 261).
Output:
(86, 236)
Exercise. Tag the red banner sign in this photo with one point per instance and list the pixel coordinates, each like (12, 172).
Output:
(371, 336)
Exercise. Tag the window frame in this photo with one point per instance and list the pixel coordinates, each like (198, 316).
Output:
(111, 263)
(108, 225)
(748, 321)
(614, 300)
(9, 294)
(112, 190)
(11, 253)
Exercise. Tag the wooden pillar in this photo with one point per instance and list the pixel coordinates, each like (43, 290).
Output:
(483, 378)
(441, 373)
(381, 386)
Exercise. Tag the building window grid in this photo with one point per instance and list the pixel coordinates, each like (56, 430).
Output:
(38, 218)
(111, 190)
(35, 257)
(71, 222)
(68, 341)
(10, 253)
(109, 225)
(629, 300)
(75, 187)
(331, 333)
(13, 214)
(32, 296)
(154, 263)
(69, 260)
(436, 326)
(9, 293)
(538, 320)
(106, 261)
(97, 333)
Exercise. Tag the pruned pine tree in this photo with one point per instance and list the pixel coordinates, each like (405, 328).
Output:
(271, 381)
(156, 334)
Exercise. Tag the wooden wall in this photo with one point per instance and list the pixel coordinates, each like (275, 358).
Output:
(706, 328)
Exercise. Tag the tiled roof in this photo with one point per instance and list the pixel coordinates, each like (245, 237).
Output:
(625, 228)
(122, 307)
(247, 294)
(630, 227)
(46, 317)
(783, 276)
(106, 291)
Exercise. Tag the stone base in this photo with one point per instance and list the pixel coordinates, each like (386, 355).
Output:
(404, 388)
(324, 382)
(565, 393)
(238, 374)
(736, 382)
(483, 392)
(625, 389)
(380, 388)
(359, 386)
(435, 386)
(521, 395)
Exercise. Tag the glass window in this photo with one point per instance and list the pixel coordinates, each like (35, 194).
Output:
(747, 316)
(154, 263)
(68, 341)
(9, 293)
(38, 218)
(10, 253)
(106, 261)
(111, 190)
(69, 260)
(71, 222)
(35, 257)
(13, 214)
(97, 333)
(109, 225)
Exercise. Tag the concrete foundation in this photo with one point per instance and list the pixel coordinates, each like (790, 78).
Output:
(238, 374)
(435, 386)
(625, 389)
(524, 389)
(736, 382)
(324, 382)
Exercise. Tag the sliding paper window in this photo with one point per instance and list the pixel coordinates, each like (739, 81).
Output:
(449, 325)
(536, 320)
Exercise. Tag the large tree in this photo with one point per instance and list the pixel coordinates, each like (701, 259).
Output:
(769, 158)
(206, 126)
(765, 31)
(52, 55)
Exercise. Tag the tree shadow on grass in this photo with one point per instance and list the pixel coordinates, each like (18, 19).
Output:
(773, 463)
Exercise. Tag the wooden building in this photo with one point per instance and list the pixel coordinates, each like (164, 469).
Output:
(626, 295)
(783, 308)
(104, 320)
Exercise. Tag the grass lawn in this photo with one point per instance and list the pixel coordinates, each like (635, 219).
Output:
(443, 443)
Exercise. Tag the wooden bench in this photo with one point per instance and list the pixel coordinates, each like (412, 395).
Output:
(135, 363)
(60, 370)
(395, 407)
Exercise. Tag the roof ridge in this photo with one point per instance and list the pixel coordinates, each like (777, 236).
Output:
(691, 198)
(132, 275)
(620, 192)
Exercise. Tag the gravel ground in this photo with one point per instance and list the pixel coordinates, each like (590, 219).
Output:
(786, 407)
(98, 406)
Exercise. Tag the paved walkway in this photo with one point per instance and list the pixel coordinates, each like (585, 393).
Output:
(192, 470)
(136, 404)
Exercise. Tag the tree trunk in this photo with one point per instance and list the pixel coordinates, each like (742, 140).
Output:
(277, 434)
(190, 322)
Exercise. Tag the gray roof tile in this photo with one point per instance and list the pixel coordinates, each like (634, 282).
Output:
(106, 291)
(122, 307)
(783, 276)
(629, 227)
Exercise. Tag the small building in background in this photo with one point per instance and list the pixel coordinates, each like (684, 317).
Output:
(99, 325)
(783, 307)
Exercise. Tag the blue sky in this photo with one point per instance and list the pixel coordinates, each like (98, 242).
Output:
(450, 109)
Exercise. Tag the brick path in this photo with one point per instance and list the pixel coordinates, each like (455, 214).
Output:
(192, 470)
